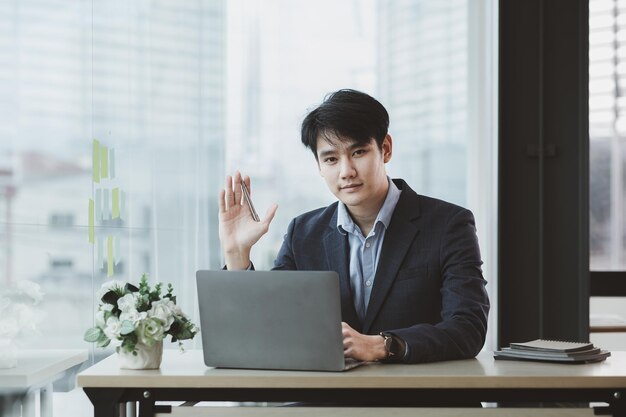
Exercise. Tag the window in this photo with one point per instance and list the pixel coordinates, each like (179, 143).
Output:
(607, 132)
(177, 95)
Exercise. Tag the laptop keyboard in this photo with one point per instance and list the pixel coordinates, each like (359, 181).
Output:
(351, 363)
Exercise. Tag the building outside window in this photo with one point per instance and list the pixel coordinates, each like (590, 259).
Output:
(180, 94)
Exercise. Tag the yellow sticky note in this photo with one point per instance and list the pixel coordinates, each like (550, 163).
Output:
(91, 221)
(109, 256)
(96, 161)
(104, 162)
(112, 163)
(115, 210)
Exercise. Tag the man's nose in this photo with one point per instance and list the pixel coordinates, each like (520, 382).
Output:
(347, 168)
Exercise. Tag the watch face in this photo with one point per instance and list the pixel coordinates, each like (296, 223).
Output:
(389, 345)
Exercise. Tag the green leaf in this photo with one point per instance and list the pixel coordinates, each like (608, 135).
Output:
(111, 297)
(182, 330)
(126, 328)
(103, 343)
(129, 343)
(175, 327)
(93, 334)
(103, 338)
(130, 288)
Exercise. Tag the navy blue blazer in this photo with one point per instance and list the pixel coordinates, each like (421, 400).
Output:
(428, 289)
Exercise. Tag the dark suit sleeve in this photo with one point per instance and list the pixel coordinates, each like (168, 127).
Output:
(285, 258)
(464, 301)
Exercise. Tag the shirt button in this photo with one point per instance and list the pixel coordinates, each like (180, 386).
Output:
(368, 283)
(367, 244)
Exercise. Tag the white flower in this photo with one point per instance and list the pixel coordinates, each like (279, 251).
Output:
(17, 309)
(178, 312)
(8, 327)
(29, 289)
(164, 310)
(26, 317)
(106, 307)
(127, 303)
(5, 304)
(108, 286)
(133, 316)
(150, 331)
(112, 328)
(100, 319)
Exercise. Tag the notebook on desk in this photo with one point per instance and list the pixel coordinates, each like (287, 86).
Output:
(271, 320)
(553, 351)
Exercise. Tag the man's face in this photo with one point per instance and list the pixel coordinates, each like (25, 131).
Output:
(354, 173)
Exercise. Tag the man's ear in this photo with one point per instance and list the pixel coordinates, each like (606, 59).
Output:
(387, 148)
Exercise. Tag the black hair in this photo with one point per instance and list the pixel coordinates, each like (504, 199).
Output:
(346, 114)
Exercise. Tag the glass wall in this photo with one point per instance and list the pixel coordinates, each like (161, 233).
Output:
(119, 121)
(607, 128)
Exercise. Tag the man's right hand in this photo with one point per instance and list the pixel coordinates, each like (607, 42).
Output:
(238, 231)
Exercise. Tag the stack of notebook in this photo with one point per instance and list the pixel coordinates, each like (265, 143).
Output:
(553, 351)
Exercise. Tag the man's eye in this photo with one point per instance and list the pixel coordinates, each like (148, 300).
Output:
(330, 160)
(359, 152)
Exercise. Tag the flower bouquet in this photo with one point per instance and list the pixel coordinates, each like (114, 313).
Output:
(139, 318)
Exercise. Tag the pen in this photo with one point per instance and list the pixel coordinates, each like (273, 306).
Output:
(246, 195)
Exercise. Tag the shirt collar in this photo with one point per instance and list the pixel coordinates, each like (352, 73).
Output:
(345, 224)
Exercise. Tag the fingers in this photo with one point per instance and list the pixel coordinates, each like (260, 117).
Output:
(229, 196)
(222, 203)
(246, 180)
(346, 334)
(232, 196)
(232, 191)
(269, 215)
(237, 187)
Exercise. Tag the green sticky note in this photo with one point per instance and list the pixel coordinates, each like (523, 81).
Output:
(109, 256)
(96, 161)
(104, 162)
(116, 248)
(112, 163)
(100, 253)
(91, 221)
(115, 211)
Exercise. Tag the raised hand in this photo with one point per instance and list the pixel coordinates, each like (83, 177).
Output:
(238, 231)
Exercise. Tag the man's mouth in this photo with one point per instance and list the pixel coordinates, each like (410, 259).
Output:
(351, 187)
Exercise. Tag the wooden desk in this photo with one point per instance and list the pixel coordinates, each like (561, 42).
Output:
(34, 375)
(185, 378)
(606, 323)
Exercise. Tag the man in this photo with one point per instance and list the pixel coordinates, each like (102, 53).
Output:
(410, 270)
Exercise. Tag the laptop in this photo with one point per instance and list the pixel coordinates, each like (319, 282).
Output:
(271, 320)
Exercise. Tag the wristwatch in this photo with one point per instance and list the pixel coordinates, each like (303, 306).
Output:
(391, 344)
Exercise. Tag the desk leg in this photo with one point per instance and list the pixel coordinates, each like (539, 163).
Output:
(10, 405)
(131, 409)
(29, 404)
(45, 400)
(106, 401)
(618, 404)
(146, 408)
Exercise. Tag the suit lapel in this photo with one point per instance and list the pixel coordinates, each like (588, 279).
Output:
(398, 239)
(337, 254)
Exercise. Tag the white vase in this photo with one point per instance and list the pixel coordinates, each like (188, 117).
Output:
(147, 357)
(8, 354)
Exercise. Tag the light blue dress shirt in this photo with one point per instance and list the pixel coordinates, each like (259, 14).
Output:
(365, 250)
